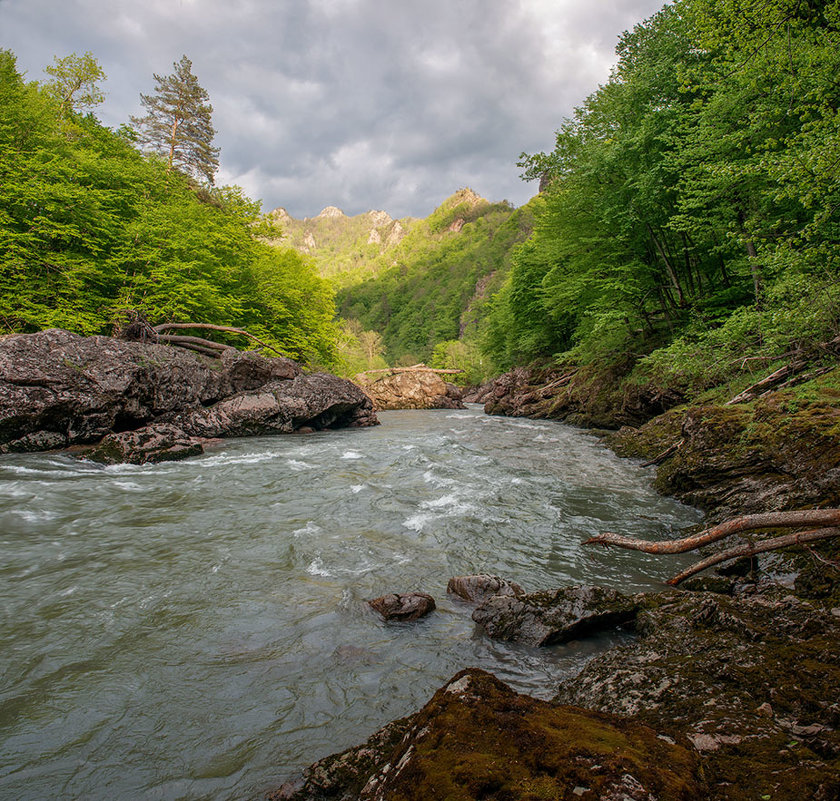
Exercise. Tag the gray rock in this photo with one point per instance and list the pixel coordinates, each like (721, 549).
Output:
(405, 607)
(59, 389)
(481, 587)
(552, 616)
(154, 443)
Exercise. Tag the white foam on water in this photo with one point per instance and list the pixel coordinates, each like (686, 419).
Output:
(310, 528)
(357, 488)
(33, 517)
(430, 478)
(16, 490)
(351, 455)
(417, 521)
(438, 503)
(68, 591)
(225, 459)
(131, 486)
(460, 416)
(316, 568)
(297, 466)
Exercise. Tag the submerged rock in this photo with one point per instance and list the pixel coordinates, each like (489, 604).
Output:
(553, 616)
(59, 389)
(410, 389)
(481, 587)
(478, 739)
(404, 607)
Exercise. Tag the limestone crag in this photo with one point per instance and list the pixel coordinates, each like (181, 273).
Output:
(410, 389)
(59, 389)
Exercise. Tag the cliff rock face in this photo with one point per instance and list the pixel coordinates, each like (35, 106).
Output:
(59, 389)
(414, 389)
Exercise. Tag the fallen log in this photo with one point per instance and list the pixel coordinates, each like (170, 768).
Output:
(666, 454)
(751, 549)
(417, 368)
(159, 329)
(809, 517)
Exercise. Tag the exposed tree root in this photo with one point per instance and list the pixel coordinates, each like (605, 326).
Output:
(751, 549)
(826, 520)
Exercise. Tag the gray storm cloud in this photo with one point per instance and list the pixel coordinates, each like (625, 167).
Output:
(357, 103)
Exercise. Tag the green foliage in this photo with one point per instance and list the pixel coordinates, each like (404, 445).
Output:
(88, 226)
(692, 203)
(434, 285)
(74, 81)
(177, 124)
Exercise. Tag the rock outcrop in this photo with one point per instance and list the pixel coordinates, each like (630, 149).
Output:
(478, 739)
(410, 389)
(752, 681)
(59, 389)
(554, 616)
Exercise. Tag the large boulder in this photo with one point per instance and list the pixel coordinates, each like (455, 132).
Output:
(158, 442)
(59, 389)
(478, 739)
(410, 389)
(554, 616)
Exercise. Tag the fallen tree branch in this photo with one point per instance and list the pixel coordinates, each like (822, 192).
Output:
(751, 549)
(810, 517)
(417, 368)
(210, 327)
(184, 341)
(769, 382)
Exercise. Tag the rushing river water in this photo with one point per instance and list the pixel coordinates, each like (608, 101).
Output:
(198, 630)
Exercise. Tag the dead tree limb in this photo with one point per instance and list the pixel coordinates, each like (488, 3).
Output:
(769, 382)
(417, 368)
(185, 341)
(210, 327)
(751, 549)
(810, 517)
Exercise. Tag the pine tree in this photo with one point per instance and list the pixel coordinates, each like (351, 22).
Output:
(177, 123)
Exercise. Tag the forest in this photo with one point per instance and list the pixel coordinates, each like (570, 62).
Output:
(688, 224)
(686, 228)
(91, 226)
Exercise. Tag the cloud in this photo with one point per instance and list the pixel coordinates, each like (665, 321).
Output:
(356, 103)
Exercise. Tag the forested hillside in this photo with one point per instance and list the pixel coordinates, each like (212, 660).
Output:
(690, 219)
(90, 226)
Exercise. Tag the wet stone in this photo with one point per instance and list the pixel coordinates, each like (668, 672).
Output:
(403, 607)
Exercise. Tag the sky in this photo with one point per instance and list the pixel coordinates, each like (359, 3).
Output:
(360, 104)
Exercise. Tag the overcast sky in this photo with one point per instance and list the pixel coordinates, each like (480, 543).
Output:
(361, 104)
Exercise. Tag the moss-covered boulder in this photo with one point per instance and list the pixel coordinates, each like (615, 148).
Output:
(478, 739)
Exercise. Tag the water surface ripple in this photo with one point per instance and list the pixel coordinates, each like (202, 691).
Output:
(198, 630)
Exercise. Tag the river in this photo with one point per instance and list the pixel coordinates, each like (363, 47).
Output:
(198, 630)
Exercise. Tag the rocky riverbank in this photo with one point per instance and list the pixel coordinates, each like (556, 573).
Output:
(125, 401)
(729, 688)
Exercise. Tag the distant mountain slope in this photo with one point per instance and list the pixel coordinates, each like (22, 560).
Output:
(433, 286)
(345, 249)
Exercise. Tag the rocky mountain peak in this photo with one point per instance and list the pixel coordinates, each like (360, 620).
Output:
(331, 211)
(380, 218)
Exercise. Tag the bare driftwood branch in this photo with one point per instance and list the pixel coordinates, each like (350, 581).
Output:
(417, 368)
(751, 549)
(769, 382)
(184, 341)
(210, 327)
(810, 517)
